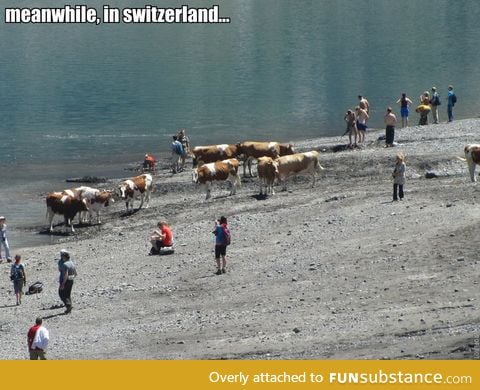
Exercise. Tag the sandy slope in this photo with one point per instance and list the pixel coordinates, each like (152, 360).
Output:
(333, 272)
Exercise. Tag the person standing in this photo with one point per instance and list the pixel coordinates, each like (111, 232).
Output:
(351, 119)
(364, 104)
(405, 102)
(162, 237)
(390, 121)
(18, 277)
(4, 240)
(362, 118)
(68, 272)
(452, 99)
(183, 139)
(399, 177)
(37, 340)
(434, 103)
(222, 240)
(177, 152)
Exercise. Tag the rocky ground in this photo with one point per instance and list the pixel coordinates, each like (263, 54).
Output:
(332, 272)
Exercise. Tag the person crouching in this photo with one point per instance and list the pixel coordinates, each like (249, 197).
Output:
(161, 237)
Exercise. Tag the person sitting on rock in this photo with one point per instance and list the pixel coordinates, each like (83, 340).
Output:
(162, 237)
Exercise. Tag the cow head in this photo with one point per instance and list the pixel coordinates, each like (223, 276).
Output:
(121, 191)
(286, 149)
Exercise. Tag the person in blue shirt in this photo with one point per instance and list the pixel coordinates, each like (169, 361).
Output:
(177, 152)
(452, 99)
(221, 230)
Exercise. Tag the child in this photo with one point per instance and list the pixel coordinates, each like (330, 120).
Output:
(4, 241)
(399, 177)
(222, 239)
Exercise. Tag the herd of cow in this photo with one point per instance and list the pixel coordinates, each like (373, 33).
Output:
(213, 163)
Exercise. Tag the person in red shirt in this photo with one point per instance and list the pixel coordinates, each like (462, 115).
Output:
(37, 339)
(161, 237)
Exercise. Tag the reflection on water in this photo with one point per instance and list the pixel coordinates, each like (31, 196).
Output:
(282, 69)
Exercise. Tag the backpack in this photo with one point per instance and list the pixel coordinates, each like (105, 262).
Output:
(437, 101)
(454, 99)
(227, 237)
(178, 148)
(17, 272)
(35, 288)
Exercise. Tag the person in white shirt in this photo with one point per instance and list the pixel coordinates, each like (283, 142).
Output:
(37, 339)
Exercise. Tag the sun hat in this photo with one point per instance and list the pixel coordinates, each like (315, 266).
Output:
(2, 217)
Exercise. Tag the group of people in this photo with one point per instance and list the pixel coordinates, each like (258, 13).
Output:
(38, 335)
(429, 102)
(162, 237)
(180, 149)
(357, 122)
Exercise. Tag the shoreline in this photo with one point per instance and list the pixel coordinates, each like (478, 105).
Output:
(332, 272)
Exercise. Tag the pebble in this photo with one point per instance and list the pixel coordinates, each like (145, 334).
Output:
(296, 330)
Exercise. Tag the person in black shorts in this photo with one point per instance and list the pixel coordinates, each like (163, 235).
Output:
(221, 241)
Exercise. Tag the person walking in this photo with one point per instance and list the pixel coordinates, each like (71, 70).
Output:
(18, 277)
(222, 240)
(390, 121)
(399, 177)
(4, 240)
(405, 102)
(37, 340)
(351, 119)
(362, 117)
(162, 237)
(434, 103)
(451, 99)
(68, 272)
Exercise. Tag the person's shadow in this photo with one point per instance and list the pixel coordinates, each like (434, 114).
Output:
(5, 306)
(54, 315)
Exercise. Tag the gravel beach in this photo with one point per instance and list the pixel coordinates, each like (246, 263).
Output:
(338, 271)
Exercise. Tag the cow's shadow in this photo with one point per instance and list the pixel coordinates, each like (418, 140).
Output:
(126, 214)
(59, 233)
(260, 197)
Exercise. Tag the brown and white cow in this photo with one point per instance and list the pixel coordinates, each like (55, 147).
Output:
(472, 156)
(267, 172)
(139, 185)
(64, 204)
(218, 171)
(212, 153)
(253, 150)
(95, 200)
(298, 163)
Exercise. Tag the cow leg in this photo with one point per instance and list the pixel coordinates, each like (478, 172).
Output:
(208, 186)
(233, 184)
(313, 179)
(261, 182)
(142, 198)
(69, 223)
(250, 159)
(272, 189)
(147, 198)
(50, 215)
(471, 168)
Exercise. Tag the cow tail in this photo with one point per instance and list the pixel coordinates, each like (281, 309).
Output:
(318, 166)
